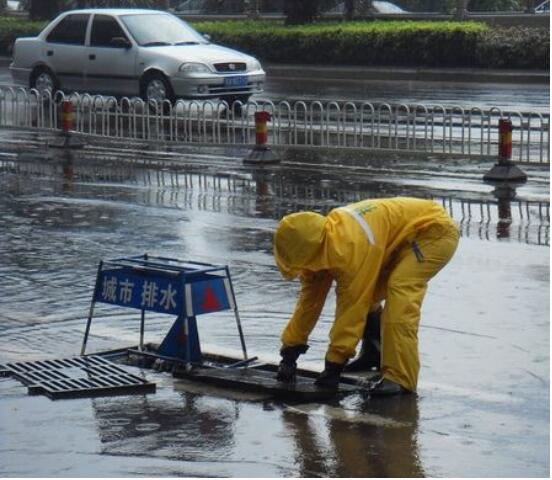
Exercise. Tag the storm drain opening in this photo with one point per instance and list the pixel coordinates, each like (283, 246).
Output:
(87, 376)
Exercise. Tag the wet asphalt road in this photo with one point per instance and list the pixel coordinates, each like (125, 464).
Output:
(507, 97)
(484, 95)
(483, 404)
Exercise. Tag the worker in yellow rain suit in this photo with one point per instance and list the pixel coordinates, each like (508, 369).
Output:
(376, 250)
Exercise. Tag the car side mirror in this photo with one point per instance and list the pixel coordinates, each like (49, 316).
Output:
(120, 42)
(207, 37)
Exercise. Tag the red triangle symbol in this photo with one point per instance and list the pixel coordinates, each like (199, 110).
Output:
(210, 300)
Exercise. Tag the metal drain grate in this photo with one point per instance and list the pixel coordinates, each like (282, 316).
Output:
(90, 376)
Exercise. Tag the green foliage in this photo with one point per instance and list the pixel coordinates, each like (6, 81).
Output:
(515, 47)
(357, 43)
(237, 27)
(393, 43)
(13, 27)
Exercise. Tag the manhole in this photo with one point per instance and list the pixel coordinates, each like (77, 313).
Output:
(90, 376)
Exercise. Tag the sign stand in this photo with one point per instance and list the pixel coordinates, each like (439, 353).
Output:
(182, 341)
(170, 286)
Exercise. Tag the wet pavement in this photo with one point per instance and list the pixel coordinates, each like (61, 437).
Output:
(510, 91)
(510, 97)
(482, 409)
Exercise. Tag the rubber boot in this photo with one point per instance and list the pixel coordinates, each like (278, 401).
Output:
(384, 387)
(329, 378)
(369, 357)
(288, 365)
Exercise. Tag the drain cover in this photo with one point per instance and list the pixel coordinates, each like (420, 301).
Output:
(251, 379)
(90, 376)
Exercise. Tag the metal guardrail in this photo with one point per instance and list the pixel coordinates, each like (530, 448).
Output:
(502, 217)
(433, 129)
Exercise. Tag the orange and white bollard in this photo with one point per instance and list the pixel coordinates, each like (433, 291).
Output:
(66, 139)
(261, 128)
(505, 139)
(261, 153)
(67, 116)
(505, 170)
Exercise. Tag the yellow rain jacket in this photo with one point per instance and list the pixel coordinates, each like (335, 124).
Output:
(359, 246)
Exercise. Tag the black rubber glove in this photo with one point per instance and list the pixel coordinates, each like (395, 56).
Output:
(288, 366)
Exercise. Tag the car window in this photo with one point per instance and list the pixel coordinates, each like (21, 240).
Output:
(161, 29)
(71, 30)
(104, 29)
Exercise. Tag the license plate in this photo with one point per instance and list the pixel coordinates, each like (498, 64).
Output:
(240, 81)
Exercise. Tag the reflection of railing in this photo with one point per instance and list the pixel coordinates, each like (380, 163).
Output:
(521, 220)
(177, 186)
(434, 129)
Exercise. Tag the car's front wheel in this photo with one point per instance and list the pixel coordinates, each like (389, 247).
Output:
(44, 81)
(157, 92)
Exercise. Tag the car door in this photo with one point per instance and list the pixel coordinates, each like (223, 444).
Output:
(65, 50)
(111, 59)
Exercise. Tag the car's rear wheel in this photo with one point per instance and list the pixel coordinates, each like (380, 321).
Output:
(44, 81)
(157, 92)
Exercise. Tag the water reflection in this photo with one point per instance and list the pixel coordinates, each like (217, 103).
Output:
(68, 171)
(272, 193)
(505, 193)
(357, 437)
(183, 426)
(375, 438)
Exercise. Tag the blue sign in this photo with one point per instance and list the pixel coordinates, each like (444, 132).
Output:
(150, 290)
(163, 292)
(166, 285)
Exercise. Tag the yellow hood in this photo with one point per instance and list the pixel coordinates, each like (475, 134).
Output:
(300, 244)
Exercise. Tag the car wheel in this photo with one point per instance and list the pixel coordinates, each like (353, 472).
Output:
(156, 90)
(44, 81)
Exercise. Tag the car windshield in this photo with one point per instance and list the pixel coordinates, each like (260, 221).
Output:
(150, 30)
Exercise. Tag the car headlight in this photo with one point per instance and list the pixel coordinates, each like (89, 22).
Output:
(253, 65)
(190, 67)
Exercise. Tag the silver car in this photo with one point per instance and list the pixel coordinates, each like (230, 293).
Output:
(132, 52)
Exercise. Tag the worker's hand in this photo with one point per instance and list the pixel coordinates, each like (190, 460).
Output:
(288, 365)
(286, 371)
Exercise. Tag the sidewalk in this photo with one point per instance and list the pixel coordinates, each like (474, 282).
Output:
(328, 72)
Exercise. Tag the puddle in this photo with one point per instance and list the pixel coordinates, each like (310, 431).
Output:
(484, 338)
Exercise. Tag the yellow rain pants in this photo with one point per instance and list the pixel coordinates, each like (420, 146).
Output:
(385, 249)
